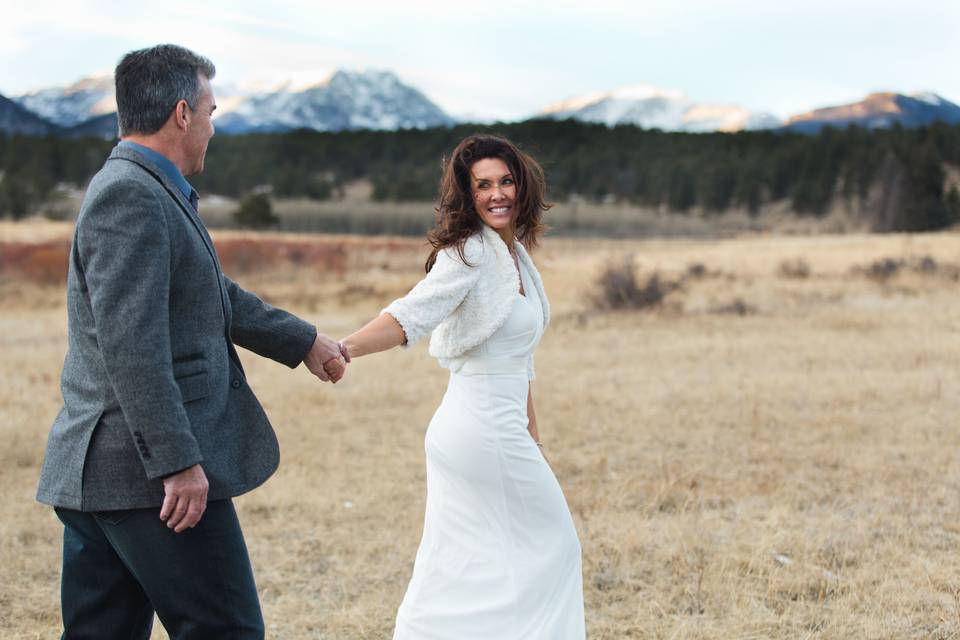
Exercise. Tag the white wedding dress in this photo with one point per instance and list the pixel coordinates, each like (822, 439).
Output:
(499, 558)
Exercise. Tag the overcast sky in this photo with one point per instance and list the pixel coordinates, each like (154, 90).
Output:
(502, 59)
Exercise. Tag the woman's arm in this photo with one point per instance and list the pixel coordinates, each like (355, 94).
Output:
(380, 334)
(532, 417)
(407, 320)
(439, 293)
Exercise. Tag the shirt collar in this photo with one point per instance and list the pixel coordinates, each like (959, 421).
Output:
(164, 164)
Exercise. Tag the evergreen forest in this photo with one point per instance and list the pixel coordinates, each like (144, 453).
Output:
(898, 177)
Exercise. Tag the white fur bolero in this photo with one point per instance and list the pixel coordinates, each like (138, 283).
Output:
(464, 305)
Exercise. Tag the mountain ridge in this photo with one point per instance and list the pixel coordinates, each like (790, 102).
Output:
(879, 110)
(655, 108)
(15, 119)
(379, 100)
(369, 99)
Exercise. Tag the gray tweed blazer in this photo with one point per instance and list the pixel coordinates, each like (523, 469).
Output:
(151, 382)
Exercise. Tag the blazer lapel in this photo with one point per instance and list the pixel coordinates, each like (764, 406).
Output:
(172, 189)
(120, 153)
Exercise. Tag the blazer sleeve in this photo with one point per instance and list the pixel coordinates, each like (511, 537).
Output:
(124, 250)
(439, 293)
(267, 331)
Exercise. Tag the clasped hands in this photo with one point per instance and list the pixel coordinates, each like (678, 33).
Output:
(327, 359)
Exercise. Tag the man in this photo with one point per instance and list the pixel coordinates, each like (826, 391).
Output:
(159, 429)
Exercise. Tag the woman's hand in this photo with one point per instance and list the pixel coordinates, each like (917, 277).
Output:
(322, 353)
(335, 368)
(541, 446)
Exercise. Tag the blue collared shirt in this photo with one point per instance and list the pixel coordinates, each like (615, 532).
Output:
(165, 165)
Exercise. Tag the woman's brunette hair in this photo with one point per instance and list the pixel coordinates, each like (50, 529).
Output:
(457, 217)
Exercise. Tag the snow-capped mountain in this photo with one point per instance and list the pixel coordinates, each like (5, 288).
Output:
(380, 100)
(72, 105)
(654, 108)
(879, 111)
(14, 119)
(347, 100)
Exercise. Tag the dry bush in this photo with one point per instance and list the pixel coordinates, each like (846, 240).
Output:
(619, 288)
(697, 270)
(928, 265)
(46, 262)
(794, 269)
(736, 307)
(884, 269)
(249, 255)
(39, 263)
(700, 271)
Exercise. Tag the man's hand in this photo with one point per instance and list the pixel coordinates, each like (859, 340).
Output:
(185, 498)
(324, 359)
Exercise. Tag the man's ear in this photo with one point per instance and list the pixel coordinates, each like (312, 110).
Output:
(181, 114)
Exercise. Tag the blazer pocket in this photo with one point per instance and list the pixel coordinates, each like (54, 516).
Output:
(193, 386)
(189, 365)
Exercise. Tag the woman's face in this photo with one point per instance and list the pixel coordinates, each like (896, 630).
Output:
(494, 191)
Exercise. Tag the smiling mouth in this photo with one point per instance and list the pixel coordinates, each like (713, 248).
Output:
(499, 210)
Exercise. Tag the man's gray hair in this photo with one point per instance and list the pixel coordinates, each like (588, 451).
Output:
(151, 81)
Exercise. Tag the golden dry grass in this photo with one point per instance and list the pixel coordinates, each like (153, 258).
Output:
(787, 473)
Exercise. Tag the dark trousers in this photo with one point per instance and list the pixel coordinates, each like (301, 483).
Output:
(119, 567)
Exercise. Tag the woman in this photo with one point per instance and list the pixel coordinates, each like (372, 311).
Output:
(499, 558)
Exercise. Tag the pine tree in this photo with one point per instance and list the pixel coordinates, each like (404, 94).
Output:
(256, 212)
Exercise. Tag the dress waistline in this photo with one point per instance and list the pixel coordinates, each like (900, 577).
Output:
(488, 366)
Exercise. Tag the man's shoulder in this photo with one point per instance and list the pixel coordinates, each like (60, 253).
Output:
(122, 169)
(118, 194)
(119, 177)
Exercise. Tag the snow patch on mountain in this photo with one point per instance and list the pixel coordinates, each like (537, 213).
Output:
(343, 100)
(69, 106)
(346, 100)
(655, 108)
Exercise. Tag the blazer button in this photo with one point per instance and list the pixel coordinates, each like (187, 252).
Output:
(235, 384)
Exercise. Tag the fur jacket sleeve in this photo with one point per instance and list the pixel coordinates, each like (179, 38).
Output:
(464, 304)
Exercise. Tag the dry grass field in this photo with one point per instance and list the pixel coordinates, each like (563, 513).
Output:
(770, 453)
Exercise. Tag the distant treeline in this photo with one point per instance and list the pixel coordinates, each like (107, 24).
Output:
(896, 177)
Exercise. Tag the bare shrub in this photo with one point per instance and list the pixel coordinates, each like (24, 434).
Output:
(736, 307)
(619, 287)
(884, 269)
(881, 270)
(700, 271)
(697, 270)
(926, 264)
(252, 255)
(794, 269)
(40, 262)
(930, 266)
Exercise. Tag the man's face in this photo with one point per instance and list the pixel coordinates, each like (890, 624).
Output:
(200, 128)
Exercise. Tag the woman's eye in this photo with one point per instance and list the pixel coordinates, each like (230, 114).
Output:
(508, 181)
